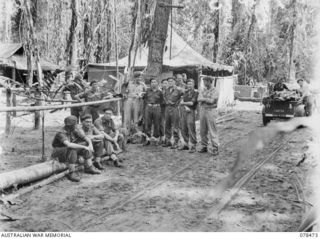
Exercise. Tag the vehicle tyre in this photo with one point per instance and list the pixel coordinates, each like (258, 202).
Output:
(265, 120)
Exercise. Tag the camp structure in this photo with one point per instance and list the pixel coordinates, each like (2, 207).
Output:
(13, 64)
(181, 58)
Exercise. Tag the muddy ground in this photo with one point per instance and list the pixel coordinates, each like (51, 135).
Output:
(160, 189)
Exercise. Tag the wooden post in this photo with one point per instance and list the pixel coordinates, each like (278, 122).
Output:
(37, 113)
(14, 96)
(8, 118)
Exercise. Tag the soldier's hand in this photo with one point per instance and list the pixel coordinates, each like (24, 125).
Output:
(90, 148)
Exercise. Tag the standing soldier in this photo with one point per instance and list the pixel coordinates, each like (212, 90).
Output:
(306, 95)
(70, 145)
(172, 97)
(163, 87)
(208, 99)
(188, 117)
(96, 138)
(153, 100)
(132, 104)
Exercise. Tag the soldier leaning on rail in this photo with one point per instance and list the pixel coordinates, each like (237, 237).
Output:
(208, 99)
(71, 146)
(93, 94)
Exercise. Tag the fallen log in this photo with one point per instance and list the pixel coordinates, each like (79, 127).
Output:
(30, 174)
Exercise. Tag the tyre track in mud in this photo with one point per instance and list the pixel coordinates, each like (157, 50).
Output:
(157, 182)
(210, 220)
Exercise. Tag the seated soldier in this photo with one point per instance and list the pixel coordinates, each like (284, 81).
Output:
(96, 137)
(114, 140)
(70, 145)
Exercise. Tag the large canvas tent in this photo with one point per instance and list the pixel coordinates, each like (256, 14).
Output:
(183, 59)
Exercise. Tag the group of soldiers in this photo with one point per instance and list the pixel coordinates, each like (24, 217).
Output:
(95, 138)
(167, 109)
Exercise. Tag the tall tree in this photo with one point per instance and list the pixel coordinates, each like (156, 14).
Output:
(158, 38)
(72, 42)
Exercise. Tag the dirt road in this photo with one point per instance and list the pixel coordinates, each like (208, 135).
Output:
(167, 190)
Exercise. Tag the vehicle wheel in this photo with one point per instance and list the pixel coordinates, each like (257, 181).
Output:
(265, 120)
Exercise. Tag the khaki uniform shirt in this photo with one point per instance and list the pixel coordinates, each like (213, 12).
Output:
(211, 93)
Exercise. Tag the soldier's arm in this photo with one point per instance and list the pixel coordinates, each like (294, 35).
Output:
(89, 142)
(74, 146)
(97, 135)
(78, 97)
(99, 126)
(200, 97)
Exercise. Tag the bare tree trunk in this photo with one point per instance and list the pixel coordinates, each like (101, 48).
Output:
(73, 36)
(216, 34)
(34, 45)
(157, 40)
(291, 76)
(98, 50)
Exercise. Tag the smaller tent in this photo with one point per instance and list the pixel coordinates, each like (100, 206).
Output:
(13, 62)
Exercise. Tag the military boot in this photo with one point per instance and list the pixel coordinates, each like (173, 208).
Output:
(72, 176)
(89, 168)
(97, 163)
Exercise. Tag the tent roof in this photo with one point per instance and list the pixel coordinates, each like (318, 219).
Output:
(182, 55)
(12, 55)
(8, 50)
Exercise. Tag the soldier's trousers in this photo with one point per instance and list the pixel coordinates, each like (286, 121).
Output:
(131, 108)
(208, 127)
(69, 155)
(172, 123)
(188, 126)
(152, 117)
(98, 148)
(162, 122)
(122, 138)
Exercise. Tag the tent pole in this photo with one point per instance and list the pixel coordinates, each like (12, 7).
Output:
(14, 97)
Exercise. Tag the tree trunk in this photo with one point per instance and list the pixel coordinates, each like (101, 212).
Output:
(30, 174)
(216, 35)
(73, 37)
(157, 40)
(251, 27)
(291, 72)
(34, 49)
(98, 50)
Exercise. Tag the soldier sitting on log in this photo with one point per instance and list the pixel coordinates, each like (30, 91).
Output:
(71, 146)
(114, 139)
(96, 137)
